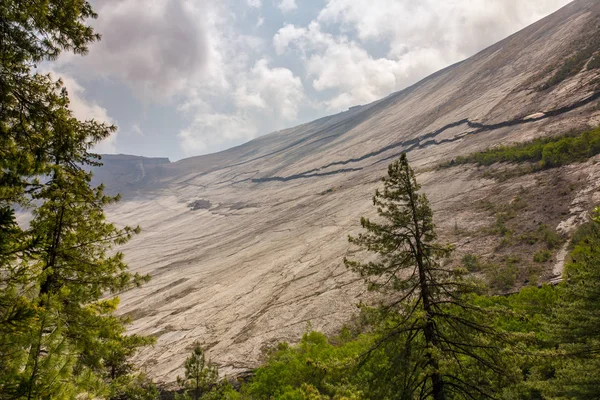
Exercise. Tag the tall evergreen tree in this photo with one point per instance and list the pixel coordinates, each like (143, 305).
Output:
(58, 337)
(442, 348)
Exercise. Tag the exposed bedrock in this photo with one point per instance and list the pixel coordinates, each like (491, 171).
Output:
(261, 254)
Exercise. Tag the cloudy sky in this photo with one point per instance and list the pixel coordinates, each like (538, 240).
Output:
(189, 77)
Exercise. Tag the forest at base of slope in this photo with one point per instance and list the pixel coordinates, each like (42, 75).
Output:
(549, 335)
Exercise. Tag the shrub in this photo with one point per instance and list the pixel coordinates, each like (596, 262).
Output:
(543, 152)
(549, 236)
(583, 233)
(542, 256)
(471, 262)
(503, 276)
(594, 63)
(574, 64)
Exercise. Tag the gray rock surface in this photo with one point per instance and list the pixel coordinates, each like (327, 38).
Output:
(265, 258)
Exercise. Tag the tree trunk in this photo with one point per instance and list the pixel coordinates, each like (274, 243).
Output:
(46, 285)
(437, 383)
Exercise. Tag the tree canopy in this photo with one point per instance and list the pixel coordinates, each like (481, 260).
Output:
(59, 337)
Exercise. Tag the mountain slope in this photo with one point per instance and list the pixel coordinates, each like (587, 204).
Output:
(245, 246)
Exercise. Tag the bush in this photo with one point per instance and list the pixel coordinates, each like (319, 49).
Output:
(584, 233)
(314, 367)
(594, 63)
(575, 64)
(471, 262)
(544, 152)
(542, 256)
(500, 225)
(503, 276)
(549, 236)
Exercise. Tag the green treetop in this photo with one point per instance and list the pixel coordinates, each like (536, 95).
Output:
(200, 378)
(575, 322)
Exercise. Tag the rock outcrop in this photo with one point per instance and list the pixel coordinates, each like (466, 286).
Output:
(263, 255)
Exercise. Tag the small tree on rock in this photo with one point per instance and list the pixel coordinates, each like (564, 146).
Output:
(201, 377)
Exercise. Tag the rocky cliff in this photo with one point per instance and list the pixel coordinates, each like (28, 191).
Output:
(245, 246)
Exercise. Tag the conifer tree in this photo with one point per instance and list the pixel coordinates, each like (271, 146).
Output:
(58, 337)
(575, 324)
(440, 347)
(201, 376)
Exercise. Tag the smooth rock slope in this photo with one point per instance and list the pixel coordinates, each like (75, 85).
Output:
(245, 246)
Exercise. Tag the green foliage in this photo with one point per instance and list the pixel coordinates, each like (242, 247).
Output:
(59, 337)
(34, 107)
(133, 387)
(472, 263)
(314, 367)
(524, 312)
(543, 152)
(500, 227)
(550, 337)
(201, 378)
(573, 326)
(583, 234)
(549, 236)
(570, 67)
(578, 319)
(439, 344)
(542, 256)
(586, 53)
(543, 234)
(503, 276)
(594, 62)
(503, 227)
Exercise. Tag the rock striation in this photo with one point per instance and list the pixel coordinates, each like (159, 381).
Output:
(245, 246)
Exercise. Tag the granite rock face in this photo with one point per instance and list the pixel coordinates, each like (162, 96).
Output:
(263, 255)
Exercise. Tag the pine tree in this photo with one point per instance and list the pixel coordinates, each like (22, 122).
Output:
(438, 345)
(58, 337)
(201, 377)
(575, 323)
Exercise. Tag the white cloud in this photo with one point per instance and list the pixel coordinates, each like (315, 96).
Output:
(352, 71)
(265, 98)
(287, 5)
(155, 47)
(254, 3)
(286, 35)
(420, 38)
(275, 89)
(455, 28)
(225, 94)
(342, 65)
(211, 129)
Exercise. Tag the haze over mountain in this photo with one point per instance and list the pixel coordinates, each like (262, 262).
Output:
(245, 246)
